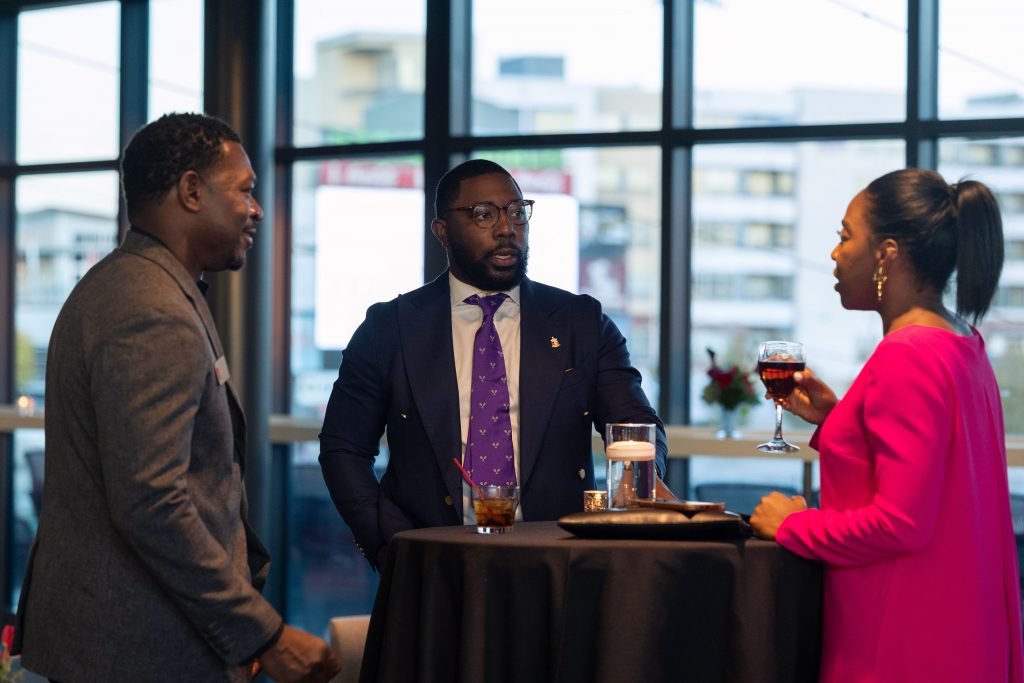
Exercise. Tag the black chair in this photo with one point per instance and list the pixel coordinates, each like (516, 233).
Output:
(739, 497)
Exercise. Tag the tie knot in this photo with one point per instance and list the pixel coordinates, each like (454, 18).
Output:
(488, 303)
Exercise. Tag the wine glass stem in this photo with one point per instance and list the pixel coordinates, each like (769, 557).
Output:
(778, 422)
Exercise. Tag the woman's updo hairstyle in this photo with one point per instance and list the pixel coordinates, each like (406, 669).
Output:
(942, 228)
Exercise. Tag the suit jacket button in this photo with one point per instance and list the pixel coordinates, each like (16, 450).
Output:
(448, 501)
(582, 473)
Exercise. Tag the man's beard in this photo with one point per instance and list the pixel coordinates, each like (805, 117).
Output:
(477, 273)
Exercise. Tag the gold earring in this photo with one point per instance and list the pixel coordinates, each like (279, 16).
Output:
(879, 279)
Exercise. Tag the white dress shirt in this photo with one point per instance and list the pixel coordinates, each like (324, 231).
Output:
(466, 320)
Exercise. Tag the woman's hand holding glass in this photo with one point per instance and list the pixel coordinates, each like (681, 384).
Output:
(811, 400)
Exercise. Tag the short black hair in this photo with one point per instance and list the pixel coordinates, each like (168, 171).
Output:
(448, 187)
(944, 228)
(161, 151)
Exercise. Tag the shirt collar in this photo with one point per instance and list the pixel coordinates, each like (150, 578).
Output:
(459, 290)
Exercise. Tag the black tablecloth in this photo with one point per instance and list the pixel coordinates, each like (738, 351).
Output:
(542, 605)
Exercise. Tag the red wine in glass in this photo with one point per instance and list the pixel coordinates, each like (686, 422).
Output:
(777, 361)
(777, 375)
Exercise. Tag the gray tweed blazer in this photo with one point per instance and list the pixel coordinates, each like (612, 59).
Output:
(143, 568)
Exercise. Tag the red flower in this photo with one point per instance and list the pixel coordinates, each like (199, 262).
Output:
(7, 637)
(730, 388)
(724, 379)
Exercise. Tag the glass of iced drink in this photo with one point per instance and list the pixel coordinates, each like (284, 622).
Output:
(495, 508)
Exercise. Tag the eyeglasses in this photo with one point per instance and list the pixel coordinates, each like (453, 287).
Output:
(485, 214)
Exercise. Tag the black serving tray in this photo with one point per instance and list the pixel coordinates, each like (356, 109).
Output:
(656, 524)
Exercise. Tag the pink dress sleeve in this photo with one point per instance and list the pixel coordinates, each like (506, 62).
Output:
(906, 414)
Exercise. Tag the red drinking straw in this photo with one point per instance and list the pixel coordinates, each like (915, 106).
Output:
(465, 475)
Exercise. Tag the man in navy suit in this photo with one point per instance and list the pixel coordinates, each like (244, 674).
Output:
(409, 368)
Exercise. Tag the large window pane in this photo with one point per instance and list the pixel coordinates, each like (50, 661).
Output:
(799, 61)
(764, 224)
(596, 230)
(359, 70)
(566, 66)
(68, 83)
(175, 56)
(65, 224)
(761, 265)
(1000, 164)
(358, 239)
(981, 73)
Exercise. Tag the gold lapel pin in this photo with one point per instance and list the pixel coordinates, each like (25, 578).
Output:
(555, 343)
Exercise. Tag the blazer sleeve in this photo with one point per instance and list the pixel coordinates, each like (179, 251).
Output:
(354, 422)
(907, 418)
(148, 382)
(619, 397)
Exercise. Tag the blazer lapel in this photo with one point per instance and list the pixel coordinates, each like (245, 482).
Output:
(544, 350)
(234, 402)
(149, 248)
(425, 326)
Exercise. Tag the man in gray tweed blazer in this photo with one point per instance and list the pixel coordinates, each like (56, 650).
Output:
(144, 568)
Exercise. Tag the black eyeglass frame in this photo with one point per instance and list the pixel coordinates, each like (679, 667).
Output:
(527, 206)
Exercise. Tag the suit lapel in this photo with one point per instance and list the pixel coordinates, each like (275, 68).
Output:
(425, 326)
(544, 349)
(149, 248)
(234, 402)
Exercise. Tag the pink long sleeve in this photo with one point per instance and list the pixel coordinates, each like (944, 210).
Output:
(921, 576)
(905, 408)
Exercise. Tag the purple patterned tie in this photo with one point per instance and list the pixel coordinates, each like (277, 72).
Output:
(489, 454)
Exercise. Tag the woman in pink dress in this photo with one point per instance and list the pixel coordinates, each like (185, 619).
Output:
(921, 577)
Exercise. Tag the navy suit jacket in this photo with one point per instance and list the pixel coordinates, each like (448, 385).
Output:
(398, 374)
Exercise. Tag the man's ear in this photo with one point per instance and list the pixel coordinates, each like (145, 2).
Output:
(190, 191)
(440, 230)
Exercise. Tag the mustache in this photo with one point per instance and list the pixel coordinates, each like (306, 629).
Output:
(506, 246)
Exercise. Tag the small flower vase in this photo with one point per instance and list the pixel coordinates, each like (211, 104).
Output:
(727, 427)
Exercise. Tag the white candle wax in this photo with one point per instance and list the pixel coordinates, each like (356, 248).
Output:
(630, 450)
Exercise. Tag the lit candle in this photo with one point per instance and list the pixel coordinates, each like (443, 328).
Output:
(630, 450)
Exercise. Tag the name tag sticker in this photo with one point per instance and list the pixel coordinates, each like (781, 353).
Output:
(220, 369)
